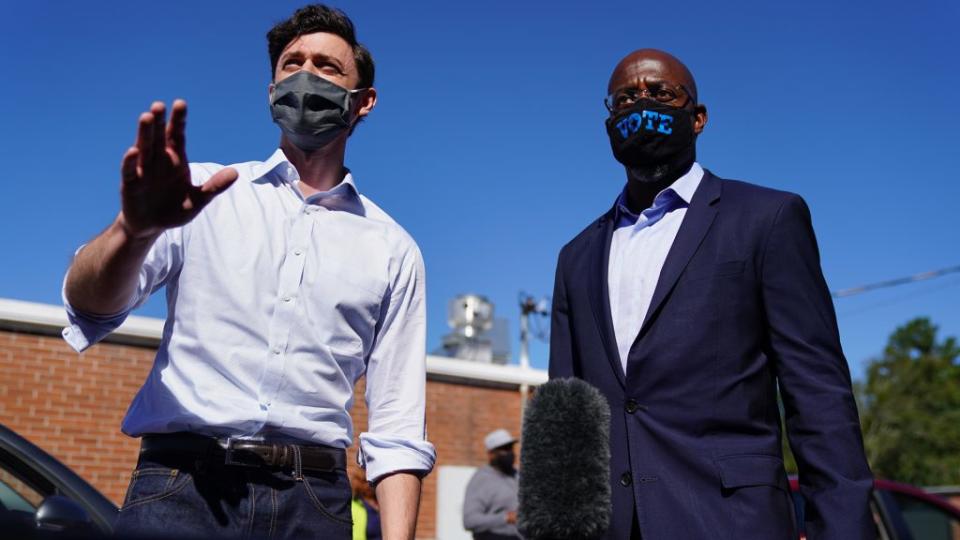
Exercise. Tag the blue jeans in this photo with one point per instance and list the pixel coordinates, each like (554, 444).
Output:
(173, 496)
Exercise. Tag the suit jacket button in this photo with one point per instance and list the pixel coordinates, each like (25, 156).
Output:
(632, 406)
(626, 479)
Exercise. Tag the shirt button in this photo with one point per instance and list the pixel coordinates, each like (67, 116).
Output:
(263, 406)
(287, 298)
(276, 350)
(298, 252)
(626, 479)
(631, 406)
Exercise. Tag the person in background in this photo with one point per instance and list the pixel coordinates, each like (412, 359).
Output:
(490, 502)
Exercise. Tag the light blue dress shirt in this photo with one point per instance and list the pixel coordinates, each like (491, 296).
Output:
(276, 305)
(638, 249)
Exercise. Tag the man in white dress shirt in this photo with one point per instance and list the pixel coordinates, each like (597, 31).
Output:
(284, 286)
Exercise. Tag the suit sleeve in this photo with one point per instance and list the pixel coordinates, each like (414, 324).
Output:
(561, 344)
(821, 415)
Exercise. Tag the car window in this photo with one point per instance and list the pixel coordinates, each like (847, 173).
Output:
(925, 520)
(15, 495)
(29, 476)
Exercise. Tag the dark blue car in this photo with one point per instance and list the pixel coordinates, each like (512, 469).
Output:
(42, 498)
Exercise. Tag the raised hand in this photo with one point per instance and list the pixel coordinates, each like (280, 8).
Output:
(156, 191)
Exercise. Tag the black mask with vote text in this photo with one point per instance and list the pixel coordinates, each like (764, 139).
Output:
(651, 134)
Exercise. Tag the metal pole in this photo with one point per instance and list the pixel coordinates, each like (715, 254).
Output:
(524, 337)
(525, 308)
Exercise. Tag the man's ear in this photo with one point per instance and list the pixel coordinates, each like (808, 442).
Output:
(366, 102)
(270, 88)
(699, 118)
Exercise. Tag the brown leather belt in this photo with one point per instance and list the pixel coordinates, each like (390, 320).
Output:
(246, 453)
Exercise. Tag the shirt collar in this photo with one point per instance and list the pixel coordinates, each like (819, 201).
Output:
(264, 168)
(344, 196)
(684, 187)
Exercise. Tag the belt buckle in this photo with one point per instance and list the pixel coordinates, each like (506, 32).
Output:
(228, 447)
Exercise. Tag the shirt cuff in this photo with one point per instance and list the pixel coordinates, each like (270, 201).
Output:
(381, 455)
(86, 330)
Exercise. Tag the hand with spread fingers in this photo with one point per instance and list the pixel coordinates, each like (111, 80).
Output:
(156, 190)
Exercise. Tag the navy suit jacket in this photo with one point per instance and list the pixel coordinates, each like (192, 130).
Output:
(740, 308)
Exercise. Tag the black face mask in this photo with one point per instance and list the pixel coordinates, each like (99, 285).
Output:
(310, 110)
(504, 462)
(653, 136)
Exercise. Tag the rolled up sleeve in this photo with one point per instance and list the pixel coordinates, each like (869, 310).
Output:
(163, 261)
(396, 380)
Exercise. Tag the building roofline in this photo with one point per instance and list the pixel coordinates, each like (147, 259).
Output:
(48, 319)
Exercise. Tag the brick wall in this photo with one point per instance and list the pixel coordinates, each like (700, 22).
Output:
(458, 417)
(72, 404)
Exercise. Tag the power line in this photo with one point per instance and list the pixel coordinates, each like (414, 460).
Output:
(905, 297)
(843, 293)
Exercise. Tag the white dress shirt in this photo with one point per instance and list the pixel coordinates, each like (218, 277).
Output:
(276, 305)
(638, 250)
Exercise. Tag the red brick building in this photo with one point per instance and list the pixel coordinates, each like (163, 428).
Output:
(72, 404)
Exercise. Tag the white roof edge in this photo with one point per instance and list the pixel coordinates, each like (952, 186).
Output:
(49, 317)
(453, 367)
(46, 316)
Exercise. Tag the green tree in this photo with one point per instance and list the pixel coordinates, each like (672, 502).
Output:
(910, 407)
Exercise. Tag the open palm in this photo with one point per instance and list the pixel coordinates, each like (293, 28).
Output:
(156, 190)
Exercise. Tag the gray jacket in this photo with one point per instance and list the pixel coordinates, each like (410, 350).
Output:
(490, 495)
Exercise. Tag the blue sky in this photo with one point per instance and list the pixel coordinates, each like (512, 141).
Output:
(488, 144)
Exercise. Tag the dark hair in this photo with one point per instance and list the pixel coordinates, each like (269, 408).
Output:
(320, 18)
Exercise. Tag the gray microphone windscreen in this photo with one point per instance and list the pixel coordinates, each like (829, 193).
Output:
(565, 463)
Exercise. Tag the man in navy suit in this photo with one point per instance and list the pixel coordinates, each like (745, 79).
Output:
(692, 304)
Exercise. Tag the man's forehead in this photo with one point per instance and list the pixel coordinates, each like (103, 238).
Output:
(651, 66)
(320, 42)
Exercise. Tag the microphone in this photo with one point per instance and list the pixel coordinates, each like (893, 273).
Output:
(564, 483)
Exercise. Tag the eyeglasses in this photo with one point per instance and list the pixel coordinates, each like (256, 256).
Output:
(662, 92)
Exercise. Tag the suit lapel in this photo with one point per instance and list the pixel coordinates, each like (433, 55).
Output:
(692, 231)
(600, 292)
